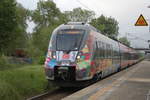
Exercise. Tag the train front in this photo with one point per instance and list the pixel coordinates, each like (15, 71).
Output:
(68, 59)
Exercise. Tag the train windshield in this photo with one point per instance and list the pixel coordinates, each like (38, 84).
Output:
(69, 40)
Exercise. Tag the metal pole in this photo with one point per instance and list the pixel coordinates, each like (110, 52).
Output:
(148, 95)
(149, 27)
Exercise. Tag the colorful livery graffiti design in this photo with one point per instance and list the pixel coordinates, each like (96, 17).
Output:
(78, 52)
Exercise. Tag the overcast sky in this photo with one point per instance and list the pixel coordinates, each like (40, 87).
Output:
(126, 12)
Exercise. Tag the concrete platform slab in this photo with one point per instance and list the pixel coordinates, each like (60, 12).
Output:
(130, 84)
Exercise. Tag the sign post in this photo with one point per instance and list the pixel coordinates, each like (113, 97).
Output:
(141, 21)
(149, 43)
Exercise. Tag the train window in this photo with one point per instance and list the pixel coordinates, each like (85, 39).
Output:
(97, 54)
(107, 51)
(98, 49)
(111, 50)
(96, 46)
(102, 50)
(115, 54)
(128, 57)
(125, 56)
(67, 42)
(104, 47)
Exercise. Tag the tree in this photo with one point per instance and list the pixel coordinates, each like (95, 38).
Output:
(7, 24)
(46, 17)
(47, 14)
(80, 15)
(21, 26)
(12, 26)
(124, 40)
(12, 29)
(107, 25)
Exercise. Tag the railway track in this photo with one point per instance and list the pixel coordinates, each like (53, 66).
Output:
(56, 94)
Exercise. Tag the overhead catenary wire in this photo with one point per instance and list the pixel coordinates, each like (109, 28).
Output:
(84, 5)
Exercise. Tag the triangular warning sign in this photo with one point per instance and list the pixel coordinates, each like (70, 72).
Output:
(141, 21)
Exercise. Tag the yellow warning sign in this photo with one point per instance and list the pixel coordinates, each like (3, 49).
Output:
(141, 21)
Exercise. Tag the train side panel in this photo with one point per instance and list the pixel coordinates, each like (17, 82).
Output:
(106, 55)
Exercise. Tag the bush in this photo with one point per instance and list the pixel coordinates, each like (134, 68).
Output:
(4, 62)
(21, 83)
(8, 92)
(41, 60)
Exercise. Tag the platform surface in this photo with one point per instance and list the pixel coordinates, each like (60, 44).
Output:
(130, 84)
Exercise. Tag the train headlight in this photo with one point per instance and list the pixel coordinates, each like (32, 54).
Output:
(78, 57)
(54, 56)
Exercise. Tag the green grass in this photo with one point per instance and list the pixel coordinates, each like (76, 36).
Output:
(23, 82)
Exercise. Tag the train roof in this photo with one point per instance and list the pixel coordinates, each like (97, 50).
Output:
(78, 25)
(85, 26)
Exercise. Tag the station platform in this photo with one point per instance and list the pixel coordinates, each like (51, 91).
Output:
(132, 83)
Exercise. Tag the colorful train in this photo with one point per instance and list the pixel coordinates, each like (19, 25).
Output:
(79, 53)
